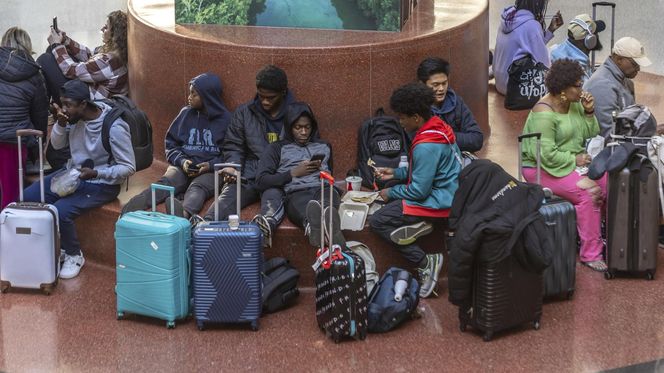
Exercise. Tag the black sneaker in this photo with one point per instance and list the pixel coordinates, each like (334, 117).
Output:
(337, 237)
(312, 228)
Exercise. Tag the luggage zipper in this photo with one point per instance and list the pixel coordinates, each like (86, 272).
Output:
(351, 265)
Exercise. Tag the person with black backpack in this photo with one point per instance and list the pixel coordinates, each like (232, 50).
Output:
(79, 125)
(448, 106)
(193, 145)
(431, 177)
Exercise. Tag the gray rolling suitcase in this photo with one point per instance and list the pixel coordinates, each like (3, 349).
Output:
(29, 237)
(632, 222)
(560, 218)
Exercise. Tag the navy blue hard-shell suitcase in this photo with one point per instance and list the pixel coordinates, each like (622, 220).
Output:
(226, 267)
(153, 264)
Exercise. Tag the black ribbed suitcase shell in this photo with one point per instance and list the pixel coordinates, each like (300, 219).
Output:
(341, 298)
(632, 223)
(560, 219)
(504, 296)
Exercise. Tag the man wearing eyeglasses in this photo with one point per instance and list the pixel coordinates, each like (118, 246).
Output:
(611, 85)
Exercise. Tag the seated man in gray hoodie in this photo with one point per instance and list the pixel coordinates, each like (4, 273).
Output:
(611, 84)
(79, 124)
(293, 164)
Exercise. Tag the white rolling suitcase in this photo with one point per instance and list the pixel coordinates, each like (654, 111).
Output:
(29, 237)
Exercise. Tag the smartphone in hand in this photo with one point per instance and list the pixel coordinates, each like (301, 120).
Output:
(317, 157)
(193, 169)
(55, 24)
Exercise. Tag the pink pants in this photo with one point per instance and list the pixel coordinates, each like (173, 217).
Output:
(588, 215)
(9, 172)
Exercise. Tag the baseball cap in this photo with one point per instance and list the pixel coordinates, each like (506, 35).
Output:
(632, 48)
(579, 32)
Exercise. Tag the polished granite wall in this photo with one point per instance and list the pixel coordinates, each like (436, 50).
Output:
(344, 75)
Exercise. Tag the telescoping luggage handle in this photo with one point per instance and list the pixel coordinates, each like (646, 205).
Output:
(330, 254)
(538, 136)
(613, 25)
(39, 135)
(238, 178)
(169, 189)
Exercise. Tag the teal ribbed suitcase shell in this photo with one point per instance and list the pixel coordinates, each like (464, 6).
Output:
(153, 265)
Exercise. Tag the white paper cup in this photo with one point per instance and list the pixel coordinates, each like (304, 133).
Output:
(353, 183)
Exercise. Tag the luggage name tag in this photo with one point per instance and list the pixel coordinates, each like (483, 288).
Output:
(321, 259)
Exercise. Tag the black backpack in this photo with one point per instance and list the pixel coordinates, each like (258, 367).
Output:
(279, 284)
(140, 129)
(382, 139)
(384, 312)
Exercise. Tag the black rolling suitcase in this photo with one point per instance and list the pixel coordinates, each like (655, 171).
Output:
(560, 218)
(341, 286)
(633, 221)
(504, 296)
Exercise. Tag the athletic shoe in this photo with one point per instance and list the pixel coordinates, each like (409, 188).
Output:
(429, 275)
(136, 203)
(264, 225)
(408, 234)
(72, 266)
(312, 228)
(337, 237)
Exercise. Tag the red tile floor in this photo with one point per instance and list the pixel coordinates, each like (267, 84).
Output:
(608, 324)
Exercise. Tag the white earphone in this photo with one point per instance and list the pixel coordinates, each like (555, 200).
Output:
(590, 40)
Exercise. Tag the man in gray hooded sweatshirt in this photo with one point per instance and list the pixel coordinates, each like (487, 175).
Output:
(611, 85)
(79, 124)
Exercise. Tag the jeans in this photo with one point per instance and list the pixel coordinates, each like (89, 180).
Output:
(86, 197)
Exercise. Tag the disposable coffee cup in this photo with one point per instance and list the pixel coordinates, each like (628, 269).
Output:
(353, 183)
(234, 222)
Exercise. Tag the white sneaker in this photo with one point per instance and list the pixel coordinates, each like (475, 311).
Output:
(72, 266)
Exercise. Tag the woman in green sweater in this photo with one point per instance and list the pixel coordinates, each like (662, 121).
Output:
(566, 118)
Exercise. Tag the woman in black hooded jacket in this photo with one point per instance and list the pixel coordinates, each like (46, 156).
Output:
(23, 105)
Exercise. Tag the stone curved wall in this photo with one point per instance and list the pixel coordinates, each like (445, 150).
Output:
(344, 75)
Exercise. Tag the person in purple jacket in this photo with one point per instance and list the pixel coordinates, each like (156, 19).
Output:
(522, 33)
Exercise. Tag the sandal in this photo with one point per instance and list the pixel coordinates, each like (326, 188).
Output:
(596, 265)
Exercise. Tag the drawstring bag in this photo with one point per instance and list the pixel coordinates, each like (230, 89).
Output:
(525, 85)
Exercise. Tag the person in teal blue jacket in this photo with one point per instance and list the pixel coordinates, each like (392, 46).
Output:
(431, 181)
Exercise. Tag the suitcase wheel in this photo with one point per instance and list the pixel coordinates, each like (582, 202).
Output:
(200, 326)
(4, 287)
(462, 327)
(254, 325)
(120, 315)
(337, 339)
(170, 324)
(609, 275)
(650, 276)
(536, 324)
(570, 294)
(363, 335)
(487, 336)
(47, 290)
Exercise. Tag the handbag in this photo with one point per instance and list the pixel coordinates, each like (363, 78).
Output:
(525, 85)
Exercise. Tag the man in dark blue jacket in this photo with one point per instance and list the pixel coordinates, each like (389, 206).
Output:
(448, 106)
(193, 145)
(255, 125)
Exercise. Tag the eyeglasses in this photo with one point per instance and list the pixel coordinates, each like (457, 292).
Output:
(634, 63)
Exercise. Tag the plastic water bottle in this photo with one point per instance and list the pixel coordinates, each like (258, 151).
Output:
(400, 285)
(403, 163)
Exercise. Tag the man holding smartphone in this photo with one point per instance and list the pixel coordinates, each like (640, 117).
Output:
(255, 125)
(293, 165)
(193, 146)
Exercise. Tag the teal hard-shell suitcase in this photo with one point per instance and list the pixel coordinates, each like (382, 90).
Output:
(153, 264)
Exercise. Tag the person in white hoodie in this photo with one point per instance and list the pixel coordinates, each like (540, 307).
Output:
(79, 125)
